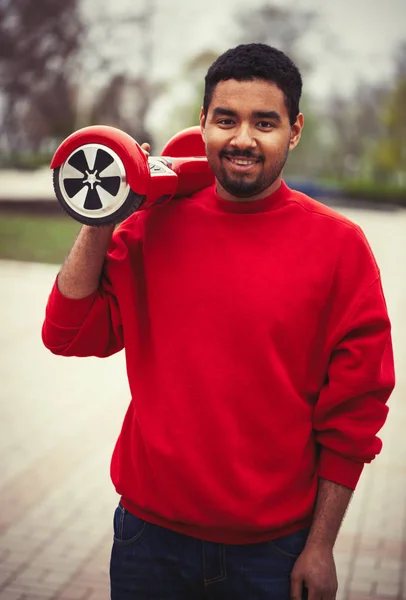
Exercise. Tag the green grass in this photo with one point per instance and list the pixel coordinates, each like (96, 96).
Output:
(37, 238)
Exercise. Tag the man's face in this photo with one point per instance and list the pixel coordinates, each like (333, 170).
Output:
(248, 136)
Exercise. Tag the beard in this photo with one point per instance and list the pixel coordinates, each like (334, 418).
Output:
(242, 185)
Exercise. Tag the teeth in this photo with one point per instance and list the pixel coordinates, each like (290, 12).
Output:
(244, 162)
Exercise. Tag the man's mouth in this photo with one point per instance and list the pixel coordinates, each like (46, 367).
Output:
(242, 163)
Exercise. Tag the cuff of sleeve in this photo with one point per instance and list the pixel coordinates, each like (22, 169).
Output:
(339, 469)
(68, 312)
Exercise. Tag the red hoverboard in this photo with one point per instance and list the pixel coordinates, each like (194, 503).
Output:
(101, 175)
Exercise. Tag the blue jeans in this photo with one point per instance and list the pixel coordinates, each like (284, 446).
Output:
(152, 563)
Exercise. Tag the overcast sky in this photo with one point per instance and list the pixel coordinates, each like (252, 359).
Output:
(366, 31)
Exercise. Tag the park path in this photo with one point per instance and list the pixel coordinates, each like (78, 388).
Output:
(59, 421)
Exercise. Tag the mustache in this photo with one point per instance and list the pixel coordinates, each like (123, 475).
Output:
(241, 154)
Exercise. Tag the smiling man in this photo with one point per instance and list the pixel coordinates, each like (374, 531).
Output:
(258, 353)
(247, 143)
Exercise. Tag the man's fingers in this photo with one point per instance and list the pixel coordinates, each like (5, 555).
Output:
(326, 590)
(315, 571)
(315, 594)
(322, 593)
(296, 587)
(146, 147)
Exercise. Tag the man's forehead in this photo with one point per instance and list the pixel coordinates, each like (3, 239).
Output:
(247, 86)
(253, 96)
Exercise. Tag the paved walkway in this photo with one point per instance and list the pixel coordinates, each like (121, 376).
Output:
(59, 420)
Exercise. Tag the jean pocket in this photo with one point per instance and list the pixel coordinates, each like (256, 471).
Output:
(290, 546)
(128, 528)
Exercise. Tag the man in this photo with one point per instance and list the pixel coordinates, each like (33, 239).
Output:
(258, 354)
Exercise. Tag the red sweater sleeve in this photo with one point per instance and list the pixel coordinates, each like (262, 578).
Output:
(351, 408)
(87, 327)
(93, 326)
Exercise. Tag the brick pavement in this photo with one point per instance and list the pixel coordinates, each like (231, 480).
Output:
(60, 418)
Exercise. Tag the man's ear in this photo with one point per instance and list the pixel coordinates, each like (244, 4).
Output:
(296, 131)
(202, 122)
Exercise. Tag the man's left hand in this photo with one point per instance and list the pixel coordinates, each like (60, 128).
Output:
(316, 571)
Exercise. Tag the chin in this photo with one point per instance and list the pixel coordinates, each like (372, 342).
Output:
(242, 188)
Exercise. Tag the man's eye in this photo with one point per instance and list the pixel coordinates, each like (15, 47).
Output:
(226, 122)
(265, 125)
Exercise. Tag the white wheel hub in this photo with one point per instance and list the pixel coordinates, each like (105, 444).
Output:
(93, 181)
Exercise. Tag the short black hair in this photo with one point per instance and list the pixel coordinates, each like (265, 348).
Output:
(247, 62)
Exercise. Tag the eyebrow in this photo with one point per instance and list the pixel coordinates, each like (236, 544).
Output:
(267, 114)
(257, 114)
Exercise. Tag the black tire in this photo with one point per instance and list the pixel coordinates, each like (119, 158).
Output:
(83, 199)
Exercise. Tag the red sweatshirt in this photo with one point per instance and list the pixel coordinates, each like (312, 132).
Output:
(258, 353)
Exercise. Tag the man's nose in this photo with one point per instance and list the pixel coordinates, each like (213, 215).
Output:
(243, 138)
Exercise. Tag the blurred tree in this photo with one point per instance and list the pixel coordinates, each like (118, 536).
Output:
(367, 131)
(353, 130)
(307, 159)
(39, 44)
(400, 61)
(186, 112)
(57, 73)
(279, 26)
(126, 97)
(390, 154)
